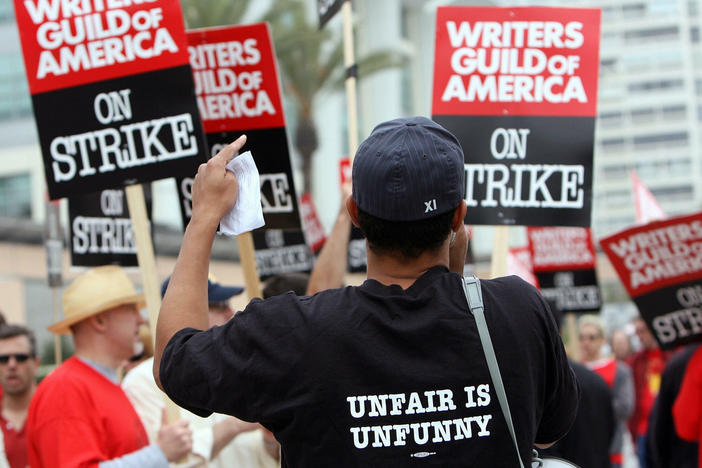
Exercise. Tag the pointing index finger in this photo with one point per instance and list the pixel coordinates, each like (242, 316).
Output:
(227, 153)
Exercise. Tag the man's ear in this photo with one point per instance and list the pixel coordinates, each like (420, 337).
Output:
(458, 216)
(352, 208)
(98, 321)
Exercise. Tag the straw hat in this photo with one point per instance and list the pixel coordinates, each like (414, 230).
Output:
(97, 290)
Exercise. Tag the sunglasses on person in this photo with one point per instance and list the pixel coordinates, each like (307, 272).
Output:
(19, 357)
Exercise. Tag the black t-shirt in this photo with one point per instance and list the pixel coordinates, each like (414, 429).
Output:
(376, 375)
(588, 441)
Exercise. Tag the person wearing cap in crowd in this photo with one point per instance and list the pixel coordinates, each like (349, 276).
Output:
(18, 369)
(383, 374)
(591, 335)
(212, 436)
(79, 415)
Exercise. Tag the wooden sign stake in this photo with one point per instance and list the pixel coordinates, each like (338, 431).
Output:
(500, 248)
(147, 267)
(350, 63)
(57, 316)
(145, 251)
(247, 257)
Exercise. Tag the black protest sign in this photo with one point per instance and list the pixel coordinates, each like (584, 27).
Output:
(238, 92)
(357, 261)
(279, 252)
(112, 92)
(101, 231)
(326, 9)
(518, 88)
(660, 265)
(574, 291)
(563, 259)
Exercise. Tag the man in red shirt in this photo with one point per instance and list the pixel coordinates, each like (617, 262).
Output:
(18, 368)
(617, 375)
(80, 416)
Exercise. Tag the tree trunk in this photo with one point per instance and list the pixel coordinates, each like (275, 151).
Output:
(306, 144)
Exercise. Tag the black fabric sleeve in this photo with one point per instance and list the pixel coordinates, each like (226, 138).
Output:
(562, 388)
(240, 368)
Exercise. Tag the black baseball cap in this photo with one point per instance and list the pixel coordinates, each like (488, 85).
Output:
(215, 291)
(408, 169)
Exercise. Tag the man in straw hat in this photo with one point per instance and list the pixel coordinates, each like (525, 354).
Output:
(79, 415)
(388, 373)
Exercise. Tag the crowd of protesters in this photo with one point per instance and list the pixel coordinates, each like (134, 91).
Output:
(102, 407)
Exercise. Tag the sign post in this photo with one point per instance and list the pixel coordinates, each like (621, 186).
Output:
(54, 266)
(500, 248)
(351, 74)
(145, 251)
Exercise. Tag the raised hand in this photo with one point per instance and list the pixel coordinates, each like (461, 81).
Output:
(215, 189)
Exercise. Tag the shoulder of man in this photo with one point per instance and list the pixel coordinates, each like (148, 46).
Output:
(513, 291)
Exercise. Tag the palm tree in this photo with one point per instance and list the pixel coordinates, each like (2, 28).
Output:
(308, 64)
(205, 13)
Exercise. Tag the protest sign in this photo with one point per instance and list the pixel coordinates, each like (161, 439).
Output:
(279, 252)
(660, 265)
(518, 87)
(101, 231)
(563, 260)
(519, 263)
(112, 92)
(312, 226)
(238, 91)
(356, 259)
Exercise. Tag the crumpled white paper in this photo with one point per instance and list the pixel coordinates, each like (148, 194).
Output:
(247, 214)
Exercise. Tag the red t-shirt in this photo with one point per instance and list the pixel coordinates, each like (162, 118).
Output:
(15, 444)
(687, 410)
(78, 418)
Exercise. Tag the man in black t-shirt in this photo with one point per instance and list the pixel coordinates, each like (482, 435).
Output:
(588, 441)
(389, 373)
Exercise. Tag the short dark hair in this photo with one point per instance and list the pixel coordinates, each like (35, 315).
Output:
(409, 238)
(9, 330)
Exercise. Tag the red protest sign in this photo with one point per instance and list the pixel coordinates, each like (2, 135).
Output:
(67, 44)
(236, 78)
(556, 249)
(516, 61)
(112, 92)
(518, 88)
(238, 91)
(658, 254)
(519, 263)
(660, 265)
(312, 226)
(344, 169)
(564, 263)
